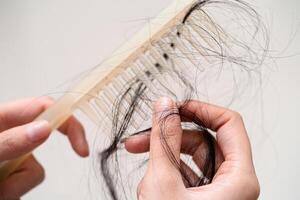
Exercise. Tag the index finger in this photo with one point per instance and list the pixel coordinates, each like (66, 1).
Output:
(23, 111)
(231, 134)
(20, 112)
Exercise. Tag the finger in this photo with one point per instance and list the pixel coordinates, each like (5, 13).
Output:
(192, 144)
(190, 178)
(195, 143)
(231, 134)
(21, 112)
(76, 135)
(165, 142)
(138, 143)
(201, 153)
(24, 111)
(191, 139)
(23, 139)
(28, 175)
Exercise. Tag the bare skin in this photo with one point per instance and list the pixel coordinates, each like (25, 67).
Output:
(235, 178)
(19, 135)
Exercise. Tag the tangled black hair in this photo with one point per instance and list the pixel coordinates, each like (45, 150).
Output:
(220, 47)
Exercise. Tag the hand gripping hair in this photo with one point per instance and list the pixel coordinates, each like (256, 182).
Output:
(190, 43)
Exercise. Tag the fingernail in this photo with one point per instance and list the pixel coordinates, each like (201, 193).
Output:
(164, 102)
(37, 131)
(162, 107)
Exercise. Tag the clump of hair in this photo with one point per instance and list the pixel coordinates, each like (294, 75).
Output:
(238, 41)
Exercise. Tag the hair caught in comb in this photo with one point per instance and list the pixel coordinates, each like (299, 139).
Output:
(213, 36)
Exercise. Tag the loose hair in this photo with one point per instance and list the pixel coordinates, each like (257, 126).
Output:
(217, 46)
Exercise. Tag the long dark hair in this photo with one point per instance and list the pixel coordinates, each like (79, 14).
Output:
(220, 46)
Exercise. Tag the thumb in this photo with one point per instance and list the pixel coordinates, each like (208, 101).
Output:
(23, 139)
(165, 143)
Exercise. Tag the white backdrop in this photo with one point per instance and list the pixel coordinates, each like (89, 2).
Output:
(44, 44)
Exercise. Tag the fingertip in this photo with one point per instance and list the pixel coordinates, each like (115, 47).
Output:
(163, 103)
(84, 152)
(161, 109)
(82, 148)
(78, 140)
(137, 144)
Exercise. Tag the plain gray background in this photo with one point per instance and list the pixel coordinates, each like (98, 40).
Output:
(45, 44)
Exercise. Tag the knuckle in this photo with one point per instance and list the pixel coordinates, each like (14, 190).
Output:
(251, 187)
(255, 187)
(236, 116)
(13, 143)
(9, 145)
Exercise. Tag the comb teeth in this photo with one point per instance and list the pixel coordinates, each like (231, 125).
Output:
(95, 105)
(161, 80)
(135, 69)
(100, 109)
(206, 34)
(179, 65)
(107, 104)
(196, 46)
(126, 101)
(185, 52)
(182, 47)
(90, 112)
(164, 59)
